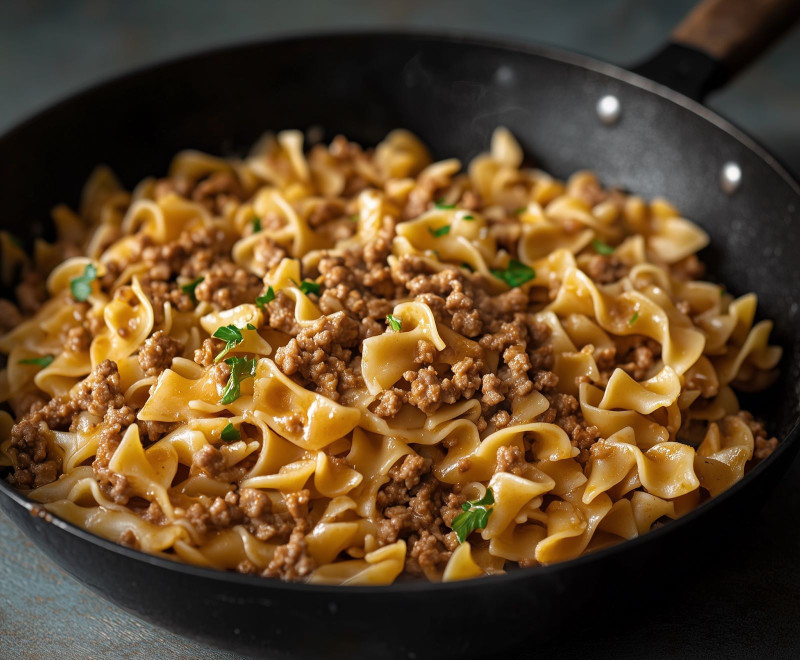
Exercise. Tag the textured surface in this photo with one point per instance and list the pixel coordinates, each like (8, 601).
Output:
(746, 604)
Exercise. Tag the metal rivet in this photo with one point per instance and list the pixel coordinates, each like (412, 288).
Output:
(609, 109)
(730, 177)
(504, 75)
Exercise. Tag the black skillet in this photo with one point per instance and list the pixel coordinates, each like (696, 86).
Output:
(451, 91)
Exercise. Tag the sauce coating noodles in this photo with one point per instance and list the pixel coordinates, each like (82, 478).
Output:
(345, 366)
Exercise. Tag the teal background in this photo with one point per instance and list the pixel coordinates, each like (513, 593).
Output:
(745, 604)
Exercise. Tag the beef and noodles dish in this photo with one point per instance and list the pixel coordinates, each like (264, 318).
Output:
(351, 366)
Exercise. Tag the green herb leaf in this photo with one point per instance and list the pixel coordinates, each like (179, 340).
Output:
(250, 326)
(307, 286)
(232, 337)
(475, 516)
(602, 248)
(467, 217)
(633, 318)
(189, 288)
(395, 323)
(268, 297)
(230, 433)
(441, 231)
(468, 267)
(44, 361)
(441, 205)
(521, 209)
(516, 274)
(256, 225)
(81, 287)
(241, 369)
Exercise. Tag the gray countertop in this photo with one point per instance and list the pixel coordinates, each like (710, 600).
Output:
(747, 603)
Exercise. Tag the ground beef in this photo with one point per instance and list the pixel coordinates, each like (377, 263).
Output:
(420, 509)
(267, 254)
(209, 349)
(31, 436)
(764, 445)
(78, 339)
(292, 560)
(321, 354)
(605, 269)
(115, 422)
(565, 411)
(227, 285)
(209, 461)
(157, 353)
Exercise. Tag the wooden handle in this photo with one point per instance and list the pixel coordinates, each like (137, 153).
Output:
(736, 31)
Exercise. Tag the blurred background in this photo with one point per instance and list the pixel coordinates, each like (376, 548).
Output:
(50, 48)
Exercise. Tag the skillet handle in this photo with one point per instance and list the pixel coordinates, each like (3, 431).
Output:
(716, 40)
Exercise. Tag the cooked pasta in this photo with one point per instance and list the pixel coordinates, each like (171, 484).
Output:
(349, 366)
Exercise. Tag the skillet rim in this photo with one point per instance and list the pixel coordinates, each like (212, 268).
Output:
(470, 38)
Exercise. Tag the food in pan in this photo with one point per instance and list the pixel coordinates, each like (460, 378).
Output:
(350, 366)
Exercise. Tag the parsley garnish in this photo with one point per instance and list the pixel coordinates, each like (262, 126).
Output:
(441, 205)
(44, 361)
(516, 274)
(256, 225)
(268, 297)
(602, 248)
(230, 433)
(241, 369)
(633, 318)
(441, 231)
(468, 267)
(189, 288)
(307, 286)
(395, 323)
(81, 287)
(467, 217)
(250, 326)
(232, 337)
(475, 516)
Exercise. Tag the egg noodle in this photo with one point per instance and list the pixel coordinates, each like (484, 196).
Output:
(344, 366)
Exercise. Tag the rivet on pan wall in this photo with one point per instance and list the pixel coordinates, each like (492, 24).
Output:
(609, 109)
(730, 177)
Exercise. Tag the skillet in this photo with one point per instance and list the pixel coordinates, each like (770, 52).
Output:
(452, 91)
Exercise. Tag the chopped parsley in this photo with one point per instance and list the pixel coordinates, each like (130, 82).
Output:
(516, 274)
(189, 288)
(230, 433)
(468, 267)
(395, 323)
(467, 217)
(475, 516)
(441, 231)
(241, 369)
(232, 337)
(633, 319)
(268, 297)
(256, 225)
(81, 287)
(602, 248)
(307, 286)
(250, 326)
(44, 361)
(441, 205)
